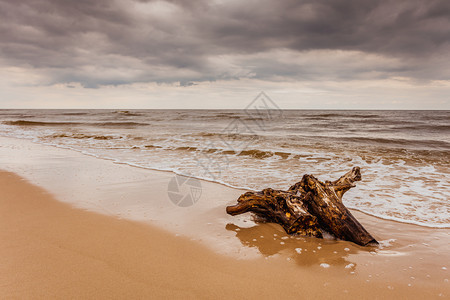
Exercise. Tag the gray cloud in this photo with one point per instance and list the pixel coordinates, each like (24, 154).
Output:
(118, 42)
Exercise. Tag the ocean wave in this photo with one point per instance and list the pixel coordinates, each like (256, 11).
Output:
(225, 116)
(394, 149)
(118, 124)
(225, 136)
(46, 123)
(85, 136)
(75, 114)
(16, 115)
(400, 142)
(39, 123)
(256, 153)
(327, 116)
(126, 113)
(187, 148)
(428, 127)
(253, 153)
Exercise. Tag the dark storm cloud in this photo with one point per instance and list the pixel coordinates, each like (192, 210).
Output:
(118, 42)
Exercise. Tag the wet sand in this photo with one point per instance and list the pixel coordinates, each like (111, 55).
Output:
(80, 234)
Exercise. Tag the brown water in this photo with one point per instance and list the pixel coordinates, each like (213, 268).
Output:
(403, 155)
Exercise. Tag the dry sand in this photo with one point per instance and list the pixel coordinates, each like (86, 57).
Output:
(51, 246)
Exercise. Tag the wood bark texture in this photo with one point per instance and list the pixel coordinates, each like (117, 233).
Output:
(309, 207)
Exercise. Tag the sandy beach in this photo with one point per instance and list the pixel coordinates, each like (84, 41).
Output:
(146, 147)
(81, 227)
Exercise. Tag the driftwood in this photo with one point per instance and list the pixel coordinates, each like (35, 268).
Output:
(308, 208)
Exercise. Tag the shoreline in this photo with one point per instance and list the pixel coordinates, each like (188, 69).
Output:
(240, 189)
(409, 263)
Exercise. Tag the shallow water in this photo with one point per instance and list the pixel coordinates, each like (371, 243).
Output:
(403, 155)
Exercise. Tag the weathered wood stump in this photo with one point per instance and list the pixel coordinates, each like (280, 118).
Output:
(308, 208)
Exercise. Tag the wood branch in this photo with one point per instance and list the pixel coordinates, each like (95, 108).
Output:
(308, 208)
(279, 207)
(346, 182)
(327, 206)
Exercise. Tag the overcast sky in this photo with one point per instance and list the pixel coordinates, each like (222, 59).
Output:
(371, 54)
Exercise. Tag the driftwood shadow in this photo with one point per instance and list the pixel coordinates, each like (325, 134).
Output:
(305, 251)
